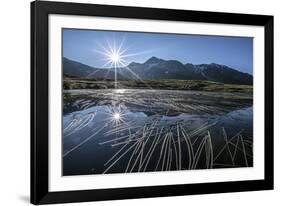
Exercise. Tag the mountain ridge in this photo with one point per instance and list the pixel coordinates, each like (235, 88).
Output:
(156, 69)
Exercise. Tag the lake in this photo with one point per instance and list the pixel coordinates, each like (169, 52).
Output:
(143, 130)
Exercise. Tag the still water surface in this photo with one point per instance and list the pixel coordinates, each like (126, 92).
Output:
(130, 130)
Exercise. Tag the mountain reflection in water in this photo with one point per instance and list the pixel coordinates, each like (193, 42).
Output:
(130, 130)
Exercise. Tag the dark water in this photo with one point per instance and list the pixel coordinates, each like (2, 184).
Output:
(117, 131)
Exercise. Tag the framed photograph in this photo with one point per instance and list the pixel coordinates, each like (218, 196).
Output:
(133, 102)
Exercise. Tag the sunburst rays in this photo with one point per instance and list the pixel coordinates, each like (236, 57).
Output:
(116, 55)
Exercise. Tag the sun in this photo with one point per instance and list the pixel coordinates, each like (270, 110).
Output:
(114, 54)
(115, 57)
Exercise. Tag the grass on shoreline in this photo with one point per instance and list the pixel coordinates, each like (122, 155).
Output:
(198, 85)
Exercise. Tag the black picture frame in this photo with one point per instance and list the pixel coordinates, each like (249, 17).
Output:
(39, 102)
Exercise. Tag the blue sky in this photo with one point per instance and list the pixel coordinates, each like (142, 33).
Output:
(85, 46)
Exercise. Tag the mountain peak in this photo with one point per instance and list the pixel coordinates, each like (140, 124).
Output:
(153, 60)
(155, 68)
(133, 64)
